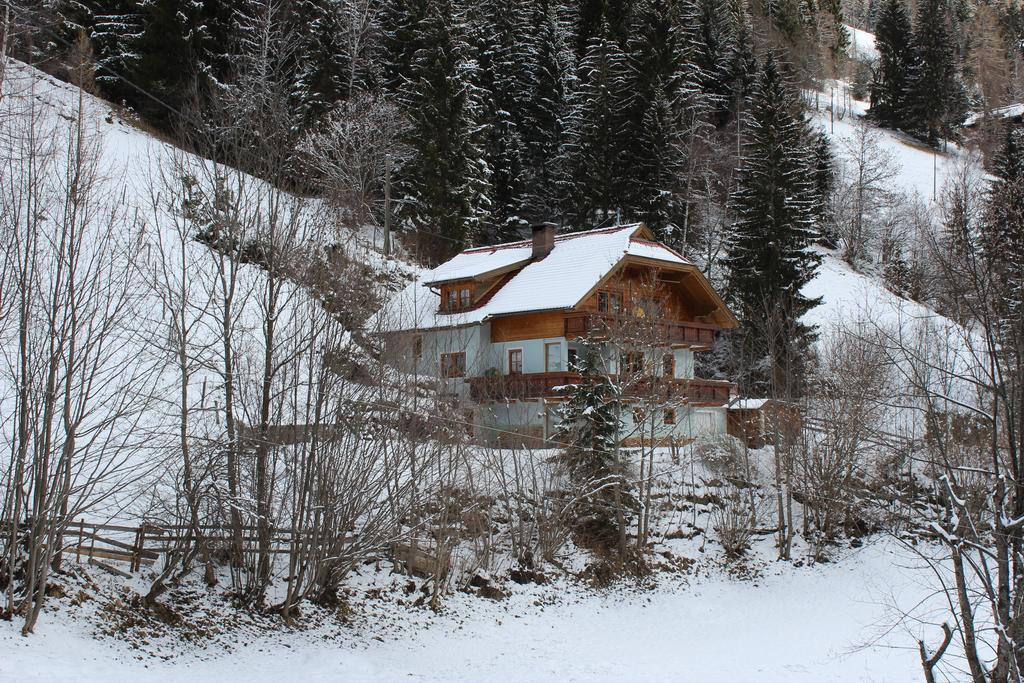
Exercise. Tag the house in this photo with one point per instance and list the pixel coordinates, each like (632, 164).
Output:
(763, 421)
(501, 326)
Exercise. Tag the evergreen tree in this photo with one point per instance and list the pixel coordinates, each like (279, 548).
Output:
(937, 99)
(890, 86)
(713, 52)
(546, 117)
(744, 61)
(319, 63)
(503, 47)
(169, 49)
(445, 181)
(591, 426)
(400, 20)
(1003, 236)
(659, 166)
(602, 19)
(600, 128)
(769, 259)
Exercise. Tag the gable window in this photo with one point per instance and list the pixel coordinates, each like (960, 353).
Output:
(553, 357)
(453, 364)
(453, 299)
(464, 298)
(668, 365)
(609, 302)
(649, 308)
(669, 417)
(515, 361)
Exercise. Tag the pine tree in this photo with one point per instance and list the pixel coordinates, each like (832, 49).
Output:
(445, 182)
(890, 86)
(600, 127)
(591, 426)
(320, 64)
(503, 44)
(769, 259)
(713, 51)
(546, 117)
(400, 20)
(659, 166)
(1003, 238)
(937, 99)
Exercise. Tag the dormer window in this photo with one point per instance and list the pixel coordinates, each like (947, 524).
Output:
(457, 299)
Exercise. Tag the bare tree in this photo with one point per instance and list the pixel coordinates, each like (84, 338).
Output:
(78, 383)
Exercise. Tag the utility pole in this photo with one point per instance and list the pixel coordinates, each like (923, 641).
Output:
(387, 205)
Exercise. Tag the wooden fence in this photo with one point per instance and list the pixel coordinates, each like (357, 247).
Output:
(144, 544)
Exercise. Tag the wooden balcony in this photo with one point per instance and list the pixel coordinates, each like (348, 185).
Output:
(697, 336)
(536, 385)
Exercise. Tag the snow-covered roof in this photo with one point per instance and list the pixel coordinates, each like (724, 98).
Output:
(748, 403)
(576, 264)
(1010, 111)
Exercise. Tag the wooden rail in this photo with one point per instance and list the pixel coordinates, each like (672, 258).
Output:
(144, 544)
(548, 384)
(698, 336)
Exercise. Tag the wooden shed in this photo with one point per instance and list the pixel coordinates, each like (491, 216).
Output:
(763, 421)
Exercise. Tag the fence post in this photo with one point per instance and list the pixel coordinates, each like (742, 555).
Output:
(140, 541)
(78, 546)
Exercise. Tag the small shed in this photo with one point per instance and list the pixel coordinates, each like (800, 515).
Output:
(763, 421)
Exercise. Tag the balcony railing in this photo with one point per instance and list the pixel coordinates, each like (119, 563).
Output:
(549, 385)
(695, 335)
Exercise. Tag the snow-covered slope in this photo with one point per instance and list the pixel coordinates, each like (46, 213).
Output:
(139, 219)
(862, 44)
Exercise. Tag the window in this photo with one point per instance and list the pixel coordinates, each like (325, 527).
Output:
(669, 417)
(515, 361)
(668, 366)
(573, 359)
(609, 302)
(417, 347)
(453, 364)
(649, 308)
(553, 357)
(458, 299)
(632, 362)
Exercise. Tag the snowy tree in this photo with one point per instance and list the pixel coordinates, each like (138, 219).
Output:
(1002, 239)
(890, 85)
(445, 181)
(937, 101)
(546, 117)
(600, 128)
(713, 37)
(501, 32)
(769, 257)
(591, 428)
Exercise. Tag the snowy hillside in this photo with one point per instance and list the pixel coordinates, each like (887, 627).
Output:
(142, 211)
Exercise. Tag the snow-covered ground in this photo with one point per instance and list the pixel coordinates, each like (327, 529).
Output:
(862, 44)
(829, 622)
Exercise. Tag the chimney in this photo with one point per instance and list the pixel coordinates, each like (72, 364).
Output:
(543, 239)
